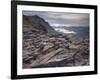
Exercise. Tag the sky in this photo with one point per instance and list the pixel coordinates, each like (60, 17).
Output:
(61, 18)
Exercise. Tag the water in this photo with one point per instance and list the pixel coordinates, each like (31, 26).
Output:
(62, 30)
(78, 31)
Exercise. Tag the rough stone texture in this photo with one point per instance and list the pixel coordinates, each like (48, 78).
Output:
(43, 49)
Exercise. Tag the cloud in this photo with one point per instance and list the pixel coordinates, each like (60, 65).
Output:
(62, 18)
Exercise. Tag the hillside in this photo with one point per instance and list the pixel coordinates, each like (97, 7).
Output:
(44, 47)
(37, 23)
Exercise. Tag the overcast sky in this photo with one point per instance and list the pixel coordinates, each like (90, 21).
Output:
(61, 18)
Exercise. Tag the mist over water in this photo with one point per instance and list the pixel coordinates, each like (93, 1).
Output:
(62, 30)
(77, 31)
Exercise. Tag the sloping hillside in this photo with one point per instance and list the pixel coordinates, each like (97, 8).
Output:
(37, 23)
(44, 47)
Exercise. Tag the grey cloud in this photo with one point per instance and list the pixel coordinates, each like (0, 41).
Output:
(62, 18)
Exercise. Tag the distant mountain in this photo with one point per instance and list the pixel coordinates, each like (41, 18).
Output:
(38, 23)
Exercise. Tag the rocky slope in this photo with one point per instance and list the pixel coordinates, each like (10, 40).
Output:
(44, 47)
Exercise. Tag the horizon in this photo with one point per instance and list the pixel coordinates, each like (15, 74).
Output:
(61, 18)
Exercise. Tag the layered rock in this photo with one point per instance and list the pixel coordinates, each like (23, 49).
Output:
(44, 47)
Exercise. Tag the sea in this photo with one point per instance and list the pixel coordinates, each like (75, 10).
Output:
(78, 31)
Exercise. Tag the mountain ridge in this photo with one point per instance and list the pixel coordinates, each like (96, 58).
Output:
(38, 23)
